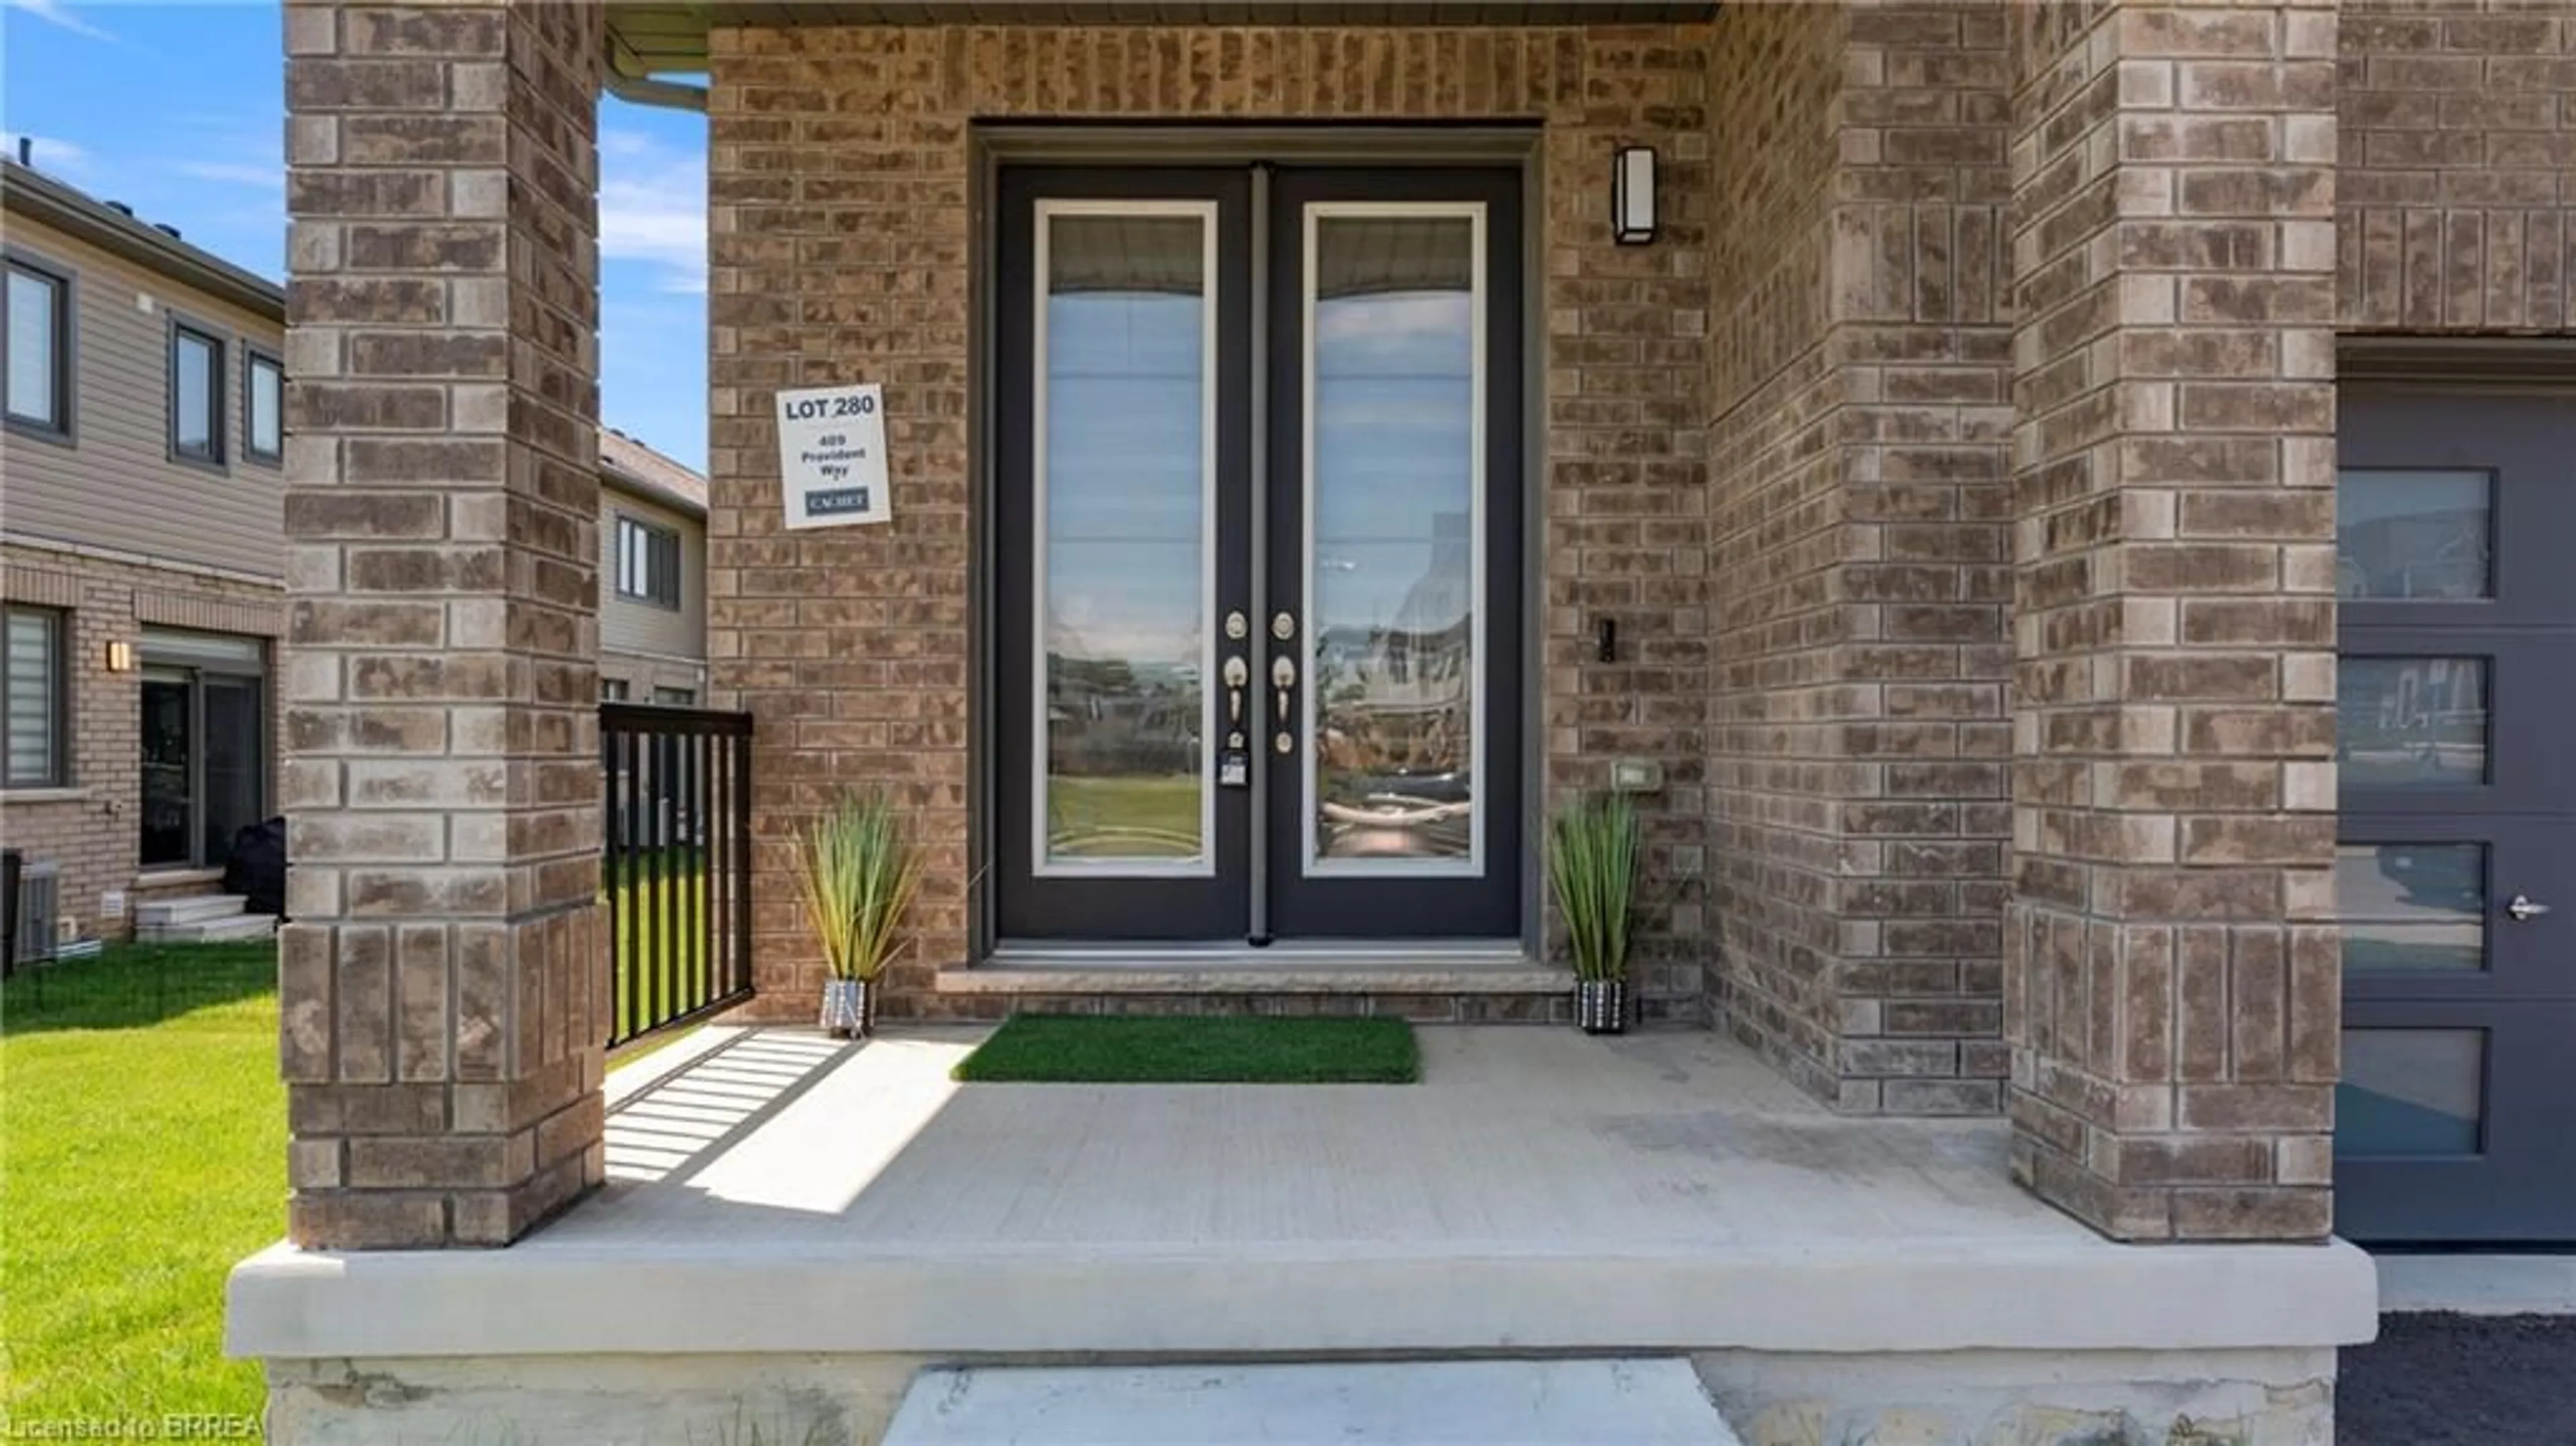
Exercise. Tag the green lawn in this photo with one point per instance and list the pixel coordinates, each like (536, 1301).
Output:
(142, 1152)
(1150, 818)
(1161, 1049)
(657, 903)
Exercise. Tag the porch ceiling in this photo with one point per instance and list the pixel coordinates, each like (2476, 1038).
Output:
(658, 37)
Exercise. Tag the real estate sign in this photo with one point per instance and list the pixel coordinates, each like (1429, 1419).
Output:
(831, 456)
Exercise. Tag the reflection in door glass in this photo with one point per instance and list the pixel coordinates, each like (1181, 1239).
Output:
(2411, 1092)
(235, 744)
(169, 748)
(2411, 722)
(1123, 460)
(1392, 529)
(2418, 535)
(2408, 907)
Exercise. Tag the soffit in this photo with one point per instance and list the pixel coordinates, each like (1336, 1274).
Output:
(653, 37)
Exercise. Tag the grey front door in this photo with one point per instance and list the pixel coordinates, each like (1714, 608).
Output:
(1258, 661)
(2456, 872)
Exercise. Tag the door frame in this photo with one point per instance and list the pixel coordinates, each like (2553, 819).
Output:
(169, 660)
(990, 147)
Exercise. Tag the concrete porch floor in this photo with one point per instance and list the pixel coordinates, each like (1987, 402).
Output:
(1539, 1191)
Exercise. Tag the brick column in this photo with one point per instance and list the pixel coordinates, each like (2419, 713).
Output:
(442, 986)
(2171, 974)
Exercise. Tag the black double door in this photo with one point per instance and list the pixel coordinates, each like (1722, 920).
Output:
(1259, 531)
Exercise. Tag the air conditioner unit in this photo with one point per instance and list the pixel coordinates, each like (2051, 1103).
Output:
(37, 911)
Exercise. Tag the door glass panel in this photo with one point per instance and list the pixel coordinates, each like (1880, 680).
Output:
(1394, 528)
(2408, 907)
(2411, 722)
(2413, 535)
(2411, 1092)
(235, 743)
(1125, 479)
(167, 747)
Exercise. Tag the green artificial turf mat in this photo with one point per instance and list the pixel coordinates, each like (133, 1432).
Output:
(1160, 1049)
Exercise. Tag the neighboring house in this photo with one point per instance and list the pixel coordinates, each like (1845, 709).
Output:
(141, 555)
(2059, 513)
(142, 552)
(652, 576)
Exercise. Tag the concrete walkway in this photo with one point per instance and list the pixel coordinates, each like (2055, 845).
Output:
(2478, 1284)
(1346, 1403)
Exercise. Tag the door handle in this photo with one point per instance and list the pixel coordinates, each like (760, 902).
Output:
(1237, 674)
(2525, 908)
(1283, 679)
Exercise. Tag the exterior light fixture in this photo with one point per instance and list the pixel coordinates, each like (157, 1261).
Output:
(1632, 196)
(120, 656)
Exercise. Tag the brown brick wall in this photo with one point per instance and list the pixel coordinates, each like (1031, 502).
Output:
(2171, 962)
(441, 989)
(840, 251)
(90, 830)
(2456, 194)
(1858, 537)
(1776, 476)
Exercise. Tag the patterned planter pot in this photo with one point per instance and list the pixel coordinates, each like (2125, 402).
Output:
(1601, 1005)
(849, 1008)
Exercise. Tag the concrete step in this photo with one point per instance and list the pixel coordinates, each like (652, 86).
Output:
(209, 931)
(1636, 1402)
(153, 913)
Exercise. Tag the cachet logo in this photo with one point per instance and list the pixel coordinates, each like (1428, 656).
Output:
(835, 501)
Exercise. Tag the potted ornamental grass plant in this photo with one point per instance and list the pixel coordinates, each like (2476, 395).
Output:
(1592, 865)
(860, 873)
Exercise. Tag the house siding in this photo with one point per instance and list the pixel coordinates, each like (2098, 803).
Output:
(117, 536)
(645, 645)
(116, 486)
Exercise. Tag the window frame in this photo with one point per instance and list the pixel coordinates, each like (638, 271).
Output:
(58, 683)
(253, 359)
(219, 402)
(658, 540)
(66, 358)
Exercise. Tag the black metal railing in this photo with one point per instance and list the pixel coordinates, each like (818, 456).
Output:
(675, 865)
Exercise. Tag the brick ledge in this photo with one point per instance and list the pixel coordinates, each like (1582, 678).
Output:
(1230, 978)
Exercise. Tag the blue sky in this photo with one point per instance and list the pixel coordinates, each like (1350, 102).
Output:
(177, 111)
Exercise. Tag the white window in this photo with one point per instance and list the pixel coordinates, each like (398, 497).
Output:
(39, 353)
(31, 661)
(196, 396)
(263, 408)
(648, 563)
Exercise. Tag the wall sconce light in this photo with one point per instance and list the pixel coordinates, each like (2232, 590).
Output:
(120, 656)
(1632, 196)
